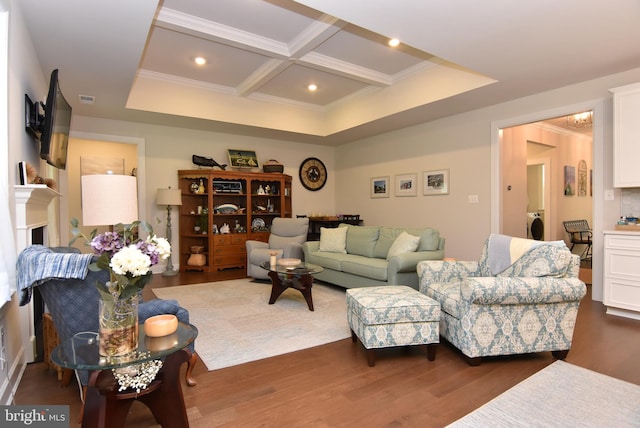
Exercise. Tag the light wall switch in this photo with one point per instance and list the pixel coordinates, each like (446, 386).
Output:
(608, 195)
(473, 199)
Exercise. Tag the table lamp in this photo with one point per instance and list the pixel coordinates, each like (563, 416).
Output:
(109, 199)
(169, 197)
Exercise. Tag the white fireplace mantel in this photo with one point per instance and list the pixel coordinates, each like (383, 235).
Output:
(32, 211)
(32, 205)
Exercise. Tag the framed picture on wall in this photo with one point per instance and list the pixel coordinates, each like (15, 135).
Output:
(436, 182)
(380, 187)
(569, 180)
(407, 185)
(242, 158)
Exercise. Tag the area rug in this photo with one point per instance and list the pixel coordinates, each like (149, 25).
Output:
(236, 324)
(561, 395)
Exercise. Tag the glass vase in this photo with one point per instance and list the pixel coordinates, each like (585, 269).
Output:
(118, 330)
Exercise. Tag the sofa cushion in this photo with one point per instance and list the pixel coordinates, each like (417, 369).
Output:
(326, 260)
(404, 243)
(385, 239)
(365, 266)
(429, 238)
(333, 240)
(448, 295)
(361, 240)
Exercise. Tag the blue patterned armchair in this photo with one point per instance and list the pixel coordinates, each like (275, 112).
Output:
(488, 309)
(73, 305)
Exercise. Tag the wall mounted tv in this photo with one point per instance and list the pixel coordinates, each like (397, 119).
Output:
(52, 127)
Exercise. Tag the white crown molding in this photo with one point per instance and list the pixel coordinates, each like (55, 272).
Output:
(346, 69)
(188, 24)
(148, 74)
(315, 34)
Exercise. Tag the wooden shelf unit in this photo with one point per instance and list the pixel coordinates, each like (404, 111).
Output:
(202, 213)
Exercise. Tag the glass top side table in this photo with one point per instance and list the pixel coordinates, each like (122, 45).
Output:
(81, 351)
(299, 277)
(105, 405)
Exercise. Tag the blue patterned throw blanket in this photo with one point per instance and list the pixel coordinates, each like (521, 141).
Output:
(37, 264)
(504, 251)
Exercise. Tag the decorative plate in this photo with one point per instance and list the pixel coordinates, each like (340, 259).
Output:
(226, 208)
(257, 224)
(289, 262)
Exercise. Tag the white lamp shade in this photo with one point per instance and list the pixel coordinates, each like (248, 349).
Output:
(169, 197)
(109, 199)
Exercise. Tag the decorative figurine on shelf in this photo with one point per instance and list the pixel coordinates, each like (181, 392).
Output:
(225, 228)
(269, 206)
(201, 187)
(214, 230)
(202, 161)
(260, 190)
(267, 190)
(194, 187)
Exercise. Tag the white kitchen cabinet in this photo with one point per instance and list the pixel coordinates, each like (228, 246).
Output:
(626, 135)
(622, 273)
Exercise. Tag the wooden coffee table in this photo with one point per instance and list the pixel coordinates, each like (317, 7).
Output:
(299, 277)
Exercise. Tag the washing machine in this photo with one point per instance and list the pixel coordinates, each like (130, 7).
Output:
(535, 225)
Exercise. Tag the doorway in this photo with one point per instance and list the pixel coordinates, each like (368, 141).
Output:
(560, 152)
(560, 192)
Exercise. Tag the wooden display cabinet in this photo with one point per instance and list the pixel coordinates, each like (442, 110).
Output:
(242, 203)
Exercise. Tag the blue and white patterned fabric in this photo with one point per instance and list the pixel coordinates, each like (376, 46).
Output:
(37, 264)
(531, 306)
(392, 315)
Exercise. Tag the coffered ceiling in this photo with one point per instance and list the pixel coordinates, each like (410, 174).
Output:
(137, 59)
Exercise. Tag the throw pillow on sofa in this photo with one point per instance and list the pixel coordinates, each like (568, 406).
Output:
(404, 243)
(333, 240)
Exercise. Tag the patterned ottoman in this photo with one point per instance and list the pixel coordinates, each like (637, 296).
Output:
(393, 315)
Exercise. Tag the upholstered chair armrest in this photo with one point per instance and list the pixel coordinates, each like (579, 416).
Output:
(442, 271)
(408, 262)
(155, 307)
(252, 245)
(516, 291)
(293, 251)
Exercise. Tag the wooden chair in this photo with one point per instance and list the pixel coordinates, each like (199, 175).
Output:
(579, 234)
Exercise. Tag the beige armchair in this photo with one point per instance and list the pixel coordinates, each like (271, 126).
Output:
(287, 236)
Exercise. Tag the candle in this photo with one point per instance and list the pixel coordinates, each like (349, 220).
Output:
(272, 260)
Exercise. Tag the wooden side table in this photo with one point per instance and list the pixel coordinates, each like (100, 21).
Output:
(107, 407)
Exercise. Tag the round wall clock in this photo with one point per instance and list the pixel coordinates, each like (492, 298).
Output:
(313, 174)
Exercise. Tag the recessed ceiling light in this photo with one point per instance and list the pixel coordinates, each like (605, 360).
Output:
(200, 60)
(394, 42)
(312, 87)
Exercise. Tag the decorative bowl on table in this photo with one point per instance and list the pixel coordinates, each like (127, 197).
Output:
(289, 262)
(160, 325)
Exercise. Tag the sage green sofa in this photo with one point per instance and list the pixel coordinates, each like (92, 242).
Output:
(363, 261)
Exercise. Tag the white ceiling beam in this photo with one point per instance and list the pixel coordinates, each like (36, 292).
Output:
(314, 35)
(261, 76)
(345, 69)
(209, 30)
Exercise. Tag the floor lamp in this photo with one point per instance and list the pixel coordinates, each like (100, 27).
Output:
(169, 197)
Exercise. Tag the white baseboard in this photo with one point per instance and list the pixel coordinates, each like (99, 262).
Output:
(10, 384)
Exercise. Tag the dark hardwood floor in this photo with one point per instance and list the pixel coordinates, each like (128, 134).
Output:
(332, 386)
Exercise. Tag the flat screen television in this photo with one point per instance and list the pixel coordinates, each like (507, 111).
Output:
(54, 139)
